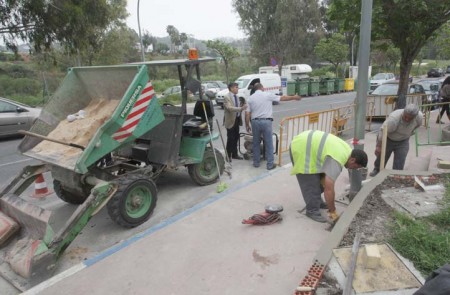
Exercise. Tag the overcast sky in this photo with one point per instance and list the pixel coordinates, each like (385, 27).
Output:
(205, 19)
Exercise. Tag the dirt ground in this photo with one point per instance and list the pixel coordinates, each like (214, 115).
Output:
(371, 221)
(375, 214)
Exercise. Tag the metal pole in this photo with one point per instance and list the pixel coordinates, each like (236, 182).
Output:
(363, 71)
(140, 36)
(353, 59)
(361, 91)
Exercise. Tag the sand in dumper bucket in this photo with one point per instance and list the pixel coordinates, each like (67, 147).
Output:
(79, 132)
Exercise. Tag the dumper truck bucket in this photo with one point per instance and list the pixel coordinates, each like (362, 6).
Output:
(98, 108)
(110, 107)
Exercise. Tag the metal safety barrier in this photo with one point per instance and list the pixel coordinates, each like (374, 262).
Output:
(336, 121)
(380, 106)
(432, 137)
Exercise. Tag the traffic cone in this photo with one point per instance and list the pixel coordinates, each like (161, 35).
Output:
(40, 187)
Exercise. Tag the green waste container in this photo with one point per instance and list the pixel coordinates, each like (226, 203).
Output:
(339, 85)
(291, 87)
(313, 87)
(301, 87)
(326, 86)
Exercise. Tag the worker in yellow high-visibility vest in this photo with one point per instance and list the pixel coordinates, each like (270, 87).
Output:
(317, 159)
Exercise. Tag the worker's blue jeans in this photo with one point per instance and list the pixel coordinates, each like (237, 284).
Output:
(264, 128)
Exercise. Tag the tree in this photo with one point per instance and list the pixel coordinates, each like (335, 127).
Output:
(162, 48)
(147, 40)
(285, 30)
(73, 23)
(227, 52)
(443, 40)
(333, 49)
(407, 23)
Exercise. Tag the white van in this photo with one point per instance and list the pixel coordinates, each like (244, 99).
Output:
(271, 83)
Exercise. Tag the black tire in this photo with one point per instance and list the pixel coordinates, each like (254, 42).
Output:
(66, 195)
(134, 201)
(206, 173)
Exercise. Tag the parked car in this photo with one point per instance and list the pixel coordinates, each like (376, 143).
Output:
(218, 84)
(391, 88)
(431, 88)
(171, 90)
(435, 72)
(211, 88)
(448, 70)
(15, 116)
(381, 78)
(410, 78)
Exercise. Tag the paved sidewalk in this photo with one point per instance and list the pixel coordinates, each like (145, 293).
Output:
(206, 249)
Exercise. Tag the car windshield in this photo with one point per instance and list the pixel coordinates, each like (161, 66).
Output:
(242, 83)
(379, 77)
(427, 84)
(386, 89)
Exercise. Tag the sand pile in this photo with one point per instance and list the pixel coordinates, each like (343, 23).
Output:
(78, 132)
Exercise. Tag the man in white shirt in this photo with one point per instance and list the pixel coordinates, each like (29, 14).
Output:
(259, 113)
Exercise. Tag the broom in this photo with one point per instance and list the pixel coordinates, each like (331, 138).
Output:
(222, 185)
(228, 165)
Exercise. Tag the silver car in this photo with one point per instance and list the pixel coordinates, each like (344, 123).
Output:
(15, 116)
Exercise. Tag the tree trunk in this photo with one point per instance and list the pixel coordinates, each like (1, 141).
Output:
(405, 68)
(226, 69)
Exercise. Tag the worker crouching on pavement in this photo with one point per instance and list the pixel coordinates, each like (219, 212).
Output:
(317, 160)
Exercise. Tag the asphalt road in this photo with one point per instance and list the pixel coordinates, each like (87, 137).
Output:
(176, 191)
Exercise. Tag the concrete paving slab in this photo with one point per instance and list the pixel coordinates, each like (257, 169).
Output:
(391, 273)
(413, 201)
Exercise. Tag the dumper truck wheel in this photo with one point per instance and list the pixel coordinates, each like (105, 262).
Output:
(134, 201)
(66, 195)
(205, 173)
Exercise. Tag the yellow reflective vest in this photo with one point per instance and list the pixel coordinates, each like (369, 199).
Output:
(310, 148)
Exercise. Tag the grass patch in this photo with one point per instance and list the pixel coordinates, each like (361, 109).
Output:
(424, 241)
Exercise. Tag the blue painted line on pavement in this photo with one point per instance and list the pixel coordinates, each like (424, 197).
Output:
(171, 220)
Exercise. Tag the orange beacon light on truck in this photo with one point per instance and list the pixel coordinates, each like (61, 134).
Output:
(193, 53)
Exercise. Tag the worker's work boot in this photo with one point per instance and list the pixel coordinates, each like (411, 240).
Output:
(316, 216)
(374, 172)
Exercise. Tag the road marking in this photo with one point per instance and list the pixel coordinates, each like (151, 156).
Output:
(11, 163)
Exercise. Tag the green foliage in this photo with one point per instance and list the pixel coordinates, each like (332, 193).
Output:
(408, 24)
(333, 49)
(425, 241)
(161, 85)
(285, 30)
(227, 52)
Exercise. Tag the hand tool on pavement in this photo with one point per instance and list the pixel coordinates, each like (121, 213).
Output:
(269, 216)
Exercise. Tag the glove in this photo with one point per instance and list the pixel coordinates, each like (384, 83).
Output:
(333, 216)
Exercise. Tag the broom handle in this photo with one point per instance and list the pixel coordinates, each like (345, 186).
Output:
(51, 139)
(223, 142)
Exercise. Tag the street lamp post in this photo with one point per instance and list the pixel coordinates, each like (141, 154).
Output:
(140, 36)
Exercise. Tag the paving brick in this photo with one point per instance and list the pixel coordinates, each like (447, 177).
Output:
(371, 256)
(316, 270)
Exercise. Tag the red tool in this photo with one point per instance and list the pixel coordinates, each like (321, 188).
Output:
(268, 217)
